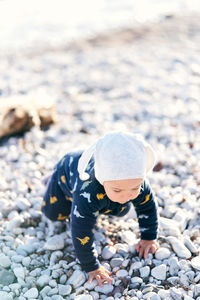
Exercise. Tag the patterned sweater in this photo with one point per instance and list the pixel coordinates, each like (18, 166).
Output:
(89, 200)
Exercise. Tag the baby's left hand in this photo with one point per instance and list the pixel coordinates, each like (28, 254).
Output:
(144, 246)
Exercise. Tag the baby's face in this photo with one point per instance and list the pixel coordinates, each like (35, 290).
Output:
(122, 191)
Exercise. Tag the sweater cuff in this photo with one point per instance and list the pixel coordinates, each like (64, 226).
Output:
(90, 267)
(148, 236)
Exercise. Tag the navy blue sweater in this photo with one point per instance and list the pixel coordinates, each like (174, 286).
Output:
(89, 200)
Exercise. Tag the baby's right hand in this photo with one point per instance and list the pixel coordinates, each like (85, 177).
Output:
(101, 275)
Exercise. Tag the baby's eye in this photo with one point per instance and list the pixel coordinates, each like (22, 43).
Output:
(117, 191)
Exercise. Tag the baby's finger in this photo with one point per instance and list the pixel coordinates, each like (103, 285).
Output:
(141, 250)
(137, 248)
(99, 280)
(107, 279)
(154, 248)
(108, 272)
(91, 277)
(146, 251)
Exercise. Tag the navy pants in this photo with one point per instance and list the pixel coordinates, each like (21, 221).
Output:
(56, 204)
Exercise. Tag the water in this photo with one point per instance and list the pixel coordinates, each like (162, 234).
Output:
(32, 23)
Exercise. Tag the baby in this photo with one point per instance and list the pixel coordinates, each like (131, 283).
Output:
(104, 179)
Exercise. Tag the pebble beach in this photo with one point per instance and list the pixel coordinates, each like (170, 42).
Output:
(145, 80)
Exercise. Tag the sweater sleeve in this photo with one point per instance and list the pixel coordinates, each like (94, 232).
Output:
(146, 209)
(83, 218)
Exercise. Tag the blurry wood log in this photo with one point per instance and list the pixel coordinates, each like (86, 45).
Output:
(18, 114)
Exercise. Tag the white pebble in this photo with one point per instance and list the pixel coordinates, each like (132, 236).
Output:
(5, 261)
(162, 253)
(43, 280)
(108, 252)
(144, 271)
(64, 289)
(5, 296)
(19, 272)
(77, 279)
(159, 272)
(195, 262)
(83, 297)
(107, 288)
(55, 243)
(32, 293)
(122, 273)
(179, 247)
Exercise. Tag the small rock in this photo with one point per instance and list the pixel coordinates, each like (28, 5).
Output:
(107, 288)
(150, 295)
(32, 293)
(26, 261)
(162, 253)
(174, 266)
(190, 245)
(64, 289)
(116, 262)
(23, 203)
(195, 262)
(144, 271)
(77, 279)
(108, 252)
(5, 296)
(55, 242)
(159, 272)
(43, 280)
(136, 280)
(179, 247)
(175, 293)
(128, 237)
(19, 272)
(6, 277)
(197, 290)
(5, 261)
(90, 286)
(122, 273)
(83, 297)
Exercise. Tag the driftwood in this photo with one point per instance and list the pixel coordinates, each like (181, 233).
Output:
(19, 114)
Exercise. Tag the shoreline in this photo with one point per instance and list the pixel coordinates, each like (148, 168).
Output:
(172, 26)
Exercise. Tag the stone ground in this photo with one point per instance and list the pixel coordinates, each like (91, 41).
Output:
(146, 80)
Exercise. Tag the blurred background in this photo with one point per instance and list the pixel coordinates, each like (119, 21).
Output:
(70, 71)
(32, 23)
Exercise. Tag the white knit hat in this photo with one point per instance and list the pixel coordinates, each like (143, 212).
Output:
(118, 156)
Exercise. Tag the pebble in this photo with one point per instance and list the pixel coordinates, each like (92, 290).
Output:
(108, 252)
(122, 273)
(5, 296)
(162, 253)
(195, 262)
(179, 247)
(144, 271)
(5, 261)
(175, 293)
(159, 272)
(83, 297)
(43, 280)
(6, 277)
(116, 262)
(19, 272)
(77, 279)
(64, 289)
(31, 293)
(190, 245)
(174, 266)
(107, 288)
(55, 242)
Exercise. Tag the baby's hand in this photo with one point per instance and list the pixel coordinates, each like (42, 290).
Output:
(144, 246)
(101, 275)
